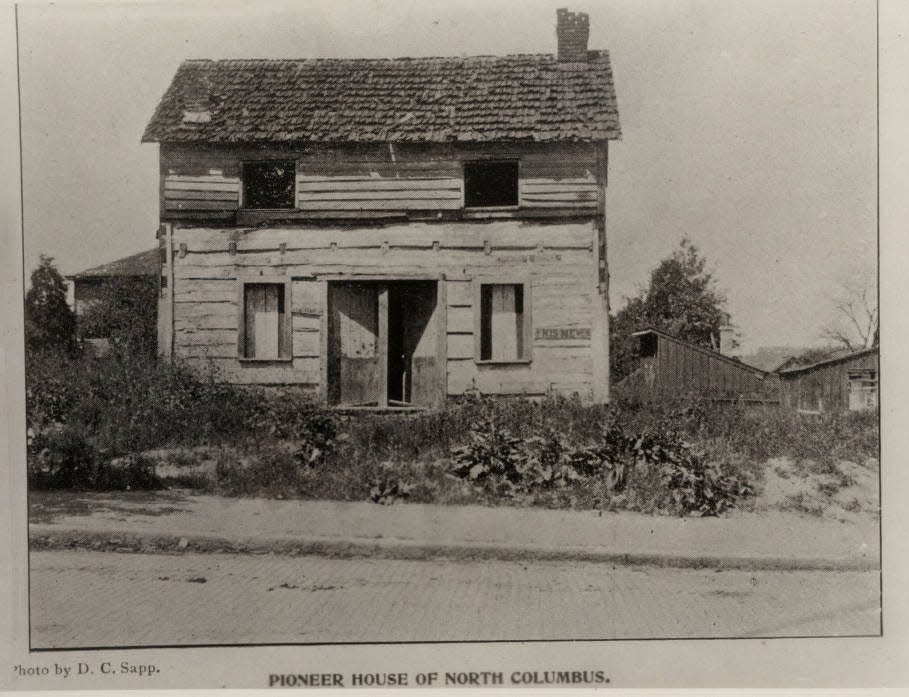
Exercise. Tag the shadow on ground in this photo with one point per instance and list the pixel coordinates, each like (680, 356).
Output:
(46, 506)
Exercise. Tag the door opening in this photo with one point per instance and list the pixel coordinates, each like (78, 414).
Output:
(383, 344)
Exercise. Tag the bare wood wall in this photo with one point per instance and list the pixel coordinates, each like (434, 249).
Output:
(559, 261)
(825, 387)
(204, 183)
(676, 370)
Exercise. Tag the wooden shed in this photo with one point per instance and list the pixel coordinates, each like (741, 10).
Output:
(671, 368)
(848, 382)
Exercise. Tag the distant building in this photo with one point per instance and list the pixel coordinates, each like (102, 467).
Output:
(671, 368)
(849, 381)
(86, 287)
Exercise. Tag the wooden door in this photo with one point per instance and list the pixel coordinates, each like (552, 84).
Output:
(358, 344)
(421, 335)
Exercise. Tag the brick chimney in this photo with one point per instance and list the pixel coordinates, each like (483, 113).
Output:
(727, 340)
(572, 32)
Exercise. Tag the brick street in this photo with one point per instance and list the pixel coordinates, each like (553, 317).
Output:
(94, 599)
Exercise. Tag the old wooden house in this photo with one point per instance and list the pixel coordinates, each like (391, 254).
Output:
(841, 383)
(670, 368)
(391, 232)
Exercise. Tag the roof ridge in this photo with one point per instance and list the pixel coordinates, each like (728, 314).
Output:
(484, 56)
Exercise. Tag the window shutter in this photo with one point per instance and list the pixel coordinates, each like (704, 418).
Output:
(504, 323)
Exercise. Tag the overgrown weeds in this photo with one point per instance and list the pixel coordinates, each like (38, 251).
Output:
(91, 419)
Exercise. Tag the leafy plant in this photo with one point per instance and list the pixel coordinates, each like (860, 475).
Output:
(388, 487)
(491, 452)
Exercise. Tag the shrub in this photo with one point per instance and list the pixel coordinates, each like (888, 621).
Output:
(61, 458)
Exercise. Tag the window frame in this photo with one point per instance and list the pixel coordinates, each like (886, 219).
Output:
(504, 280)
(244, 204)
(286, 328)
(491, 161)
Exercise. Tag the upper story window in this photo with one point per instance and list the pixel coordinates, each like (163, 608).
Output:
(490, 184)
(269, 184)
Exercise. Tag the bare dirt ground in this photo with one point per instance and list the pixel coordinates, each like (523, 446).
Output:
(844, 491)
(85, 599)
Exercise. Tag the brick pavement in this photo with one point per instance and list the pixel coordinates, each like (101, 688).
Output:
(102, 599)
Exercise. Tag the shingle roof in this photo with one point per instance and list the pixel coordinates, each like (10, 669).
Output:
(477, 99)
(141, 264)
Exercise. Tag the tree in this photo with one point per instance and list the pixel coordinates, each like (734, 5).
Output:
(857, 322)
(124, 311)
(49, 322)
(681, 299)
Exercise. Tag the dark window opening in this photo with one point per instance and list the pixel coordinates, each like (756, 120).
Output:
(502, 322)
(269, 184)
(488, 184)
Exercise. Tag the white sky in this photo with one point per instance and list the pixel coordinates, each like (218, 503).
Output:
(749, 126)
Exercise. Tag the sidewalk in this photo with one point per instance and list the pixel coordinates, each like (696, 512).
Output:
(173, 521)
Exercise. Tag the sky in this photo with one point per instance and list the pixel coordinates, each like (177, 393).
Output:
(749, 126)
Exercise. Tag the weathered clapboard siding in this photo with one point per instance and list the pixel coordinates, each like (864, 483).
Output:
(206, 180)
(341, 191)
(562, 284)
(503, 235)
(201, 192)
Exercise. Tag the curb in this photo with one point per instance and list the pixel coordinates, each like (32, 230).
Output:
(415, 550)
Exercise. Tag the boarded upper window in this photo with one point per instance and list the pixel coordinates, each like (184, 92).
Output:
(489, 184)
(265, 328)
(269, 184)
(504, 322)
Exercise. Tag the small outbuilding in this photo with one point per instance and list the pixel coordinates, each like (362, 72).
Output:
(87, 287)
(844, 382)
(671, 368)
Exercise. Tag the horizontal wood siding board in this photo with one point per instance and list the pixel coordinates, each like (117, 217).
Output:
(460, 346)
(559, 200)
(381, 204)
(381, 184)
(194, 178)
(306, 344)
(209, 217)
(550, 182)
(200, 205)
(201, 185)
(460, 320)
(298, 371)
(459, 294)
(194, 195)
(202, 337)
(421, 257)
(507, 232)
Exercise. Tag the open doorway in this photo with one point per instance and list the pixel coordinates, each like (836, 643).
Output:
(383, 344)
